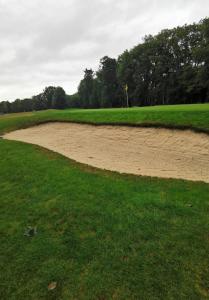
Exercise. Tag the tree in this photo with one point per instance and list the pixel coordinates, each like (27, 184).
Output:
(73, 101)
(4, 107)
(107, 78)
(125, 73)
(59, 98)
(48, 94)
(85, 89)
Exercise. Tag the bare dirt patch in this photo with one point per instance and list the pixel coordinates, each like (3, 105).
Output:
(141, 151)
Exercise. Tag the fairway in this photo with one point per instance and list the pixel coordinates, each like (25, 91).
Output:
(101, 234)
(140, 151)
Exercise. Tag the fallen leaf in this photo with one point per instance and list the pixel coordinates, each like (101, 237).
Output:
(52, 286)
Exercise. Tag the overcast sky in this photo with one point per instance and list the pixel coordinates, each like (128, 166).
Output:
(51, 42)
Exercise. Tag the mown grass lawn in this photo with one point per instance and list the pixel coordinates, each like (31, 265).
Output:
(195, 116)
(100, 235)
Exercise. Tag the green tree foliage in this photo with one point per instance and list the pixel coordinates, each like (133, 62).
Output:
(102, 90)
(73, 101)
(48, 94)
(59, 98)
(85, 89)
(52, 97)
(169, 68)
(108, 82)
(39, 102)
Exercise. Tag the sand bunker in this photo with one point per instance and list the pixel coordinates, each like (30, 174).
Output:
(142, 151)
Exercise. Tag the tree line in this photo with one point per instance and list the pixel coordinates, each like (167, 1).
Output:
(51, 97)
(171, 67)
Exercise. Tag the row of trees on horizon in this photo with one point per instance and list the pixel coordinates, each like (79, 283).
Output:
(51, 97)
(171, 67)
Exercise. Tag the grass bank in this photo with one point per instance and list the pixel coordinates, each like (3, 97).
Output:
(194, 117)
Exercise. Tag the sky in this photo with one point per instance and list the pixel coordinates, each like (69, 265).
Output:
(50, 42)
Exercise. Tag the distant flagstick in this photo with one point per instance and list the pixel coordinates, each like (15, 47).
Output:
(126, 90)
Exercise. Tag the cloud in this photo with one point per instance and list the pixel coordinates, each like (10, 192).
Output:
(50, 42)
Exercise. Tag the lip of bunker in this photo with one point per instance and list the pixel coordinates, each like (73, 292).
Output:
(141, 151)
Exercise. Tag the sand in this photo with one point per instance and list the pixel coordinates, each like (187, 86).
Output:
(142, 151)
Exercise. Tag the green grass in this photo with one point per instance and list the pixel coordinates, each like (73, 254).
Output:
(194, 116)
(100, 235)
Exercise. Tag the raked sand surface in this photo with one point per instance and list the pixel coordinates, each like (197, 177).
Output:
(141, 151)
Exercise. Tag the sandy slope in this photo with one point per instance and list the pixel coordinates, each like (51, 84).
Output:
(141, 151)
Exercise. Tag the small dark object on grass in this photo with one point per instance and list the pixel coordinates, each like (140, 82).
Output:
(30, 231)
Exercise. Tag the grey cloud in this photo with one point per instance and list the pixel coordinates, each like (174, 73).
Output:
(50, 42)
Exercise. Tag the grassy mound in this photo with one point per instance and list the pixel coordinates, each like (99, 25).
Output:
(194, 117)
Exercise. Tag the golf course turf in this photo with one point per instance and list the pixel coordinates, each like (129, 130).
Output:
(100, 235)
(192, 116)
